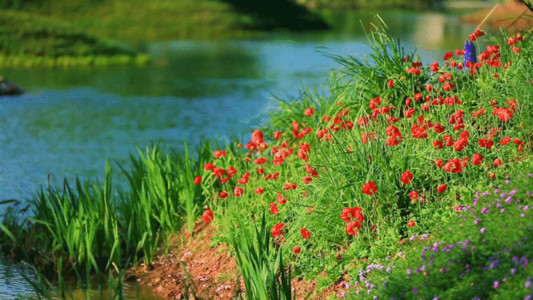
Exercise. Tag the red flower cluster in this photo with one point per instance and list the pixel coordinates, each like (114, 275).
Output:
(370, 188)
(207, 216)
(354, 218)
(277, 229)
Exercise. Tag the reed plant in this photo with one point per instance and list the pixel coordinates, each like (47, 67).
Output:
(261, 266)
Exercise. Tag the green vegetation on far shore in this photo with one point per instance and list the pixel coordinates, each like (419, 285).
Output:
(53, 33)
(30, 40)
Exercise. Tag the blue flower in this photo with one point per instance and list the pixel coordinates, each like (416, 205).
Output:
(470, 53)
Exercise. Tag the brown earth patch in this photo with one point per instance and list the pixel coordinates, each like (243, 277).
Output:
(211, 273)
(513, 15)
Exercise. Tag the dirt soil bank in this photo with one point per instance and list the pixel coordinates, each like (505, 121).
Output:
(211, 271)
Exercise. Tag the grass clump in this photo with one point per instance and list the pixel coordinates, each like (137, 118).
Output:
(261, 266)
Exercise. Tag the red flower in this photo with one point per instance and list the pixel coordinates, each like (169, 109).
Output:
(497, 162)
(413, 71)
(479, 112)
(307, 179)
(309, 112)
(369, 188)
(441, 188)
(492, 175)
(223, 195)
(409, 112)
(219, 153)
(477, 159)
(406, 177)
(198, 180)
(277, 229)
(297, 250)
(505, 140)
(479, 33)
(281, 199)
(413, 195)
(460, 144)
(290, 186)
(448, 55)
(448, 86)
(207, 216)
(311, 171)
(209, 166)
(485, 143)
(238, 191)
(305, 233)
(273, 208)
(438, 145)
(218, 172)
(390, 83)
(352, 228)
(411, 223)
(259, 191)
(260, 161)
(453, 166)
(231, 171)
(504, 114)
(438, 127)
(438, 162)
(277, 135)
(303, 152)
(374, 103)
(348, 214)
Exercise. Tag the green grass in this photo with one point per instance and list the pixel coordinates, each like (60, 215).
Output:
(138, 21)
(32, 40)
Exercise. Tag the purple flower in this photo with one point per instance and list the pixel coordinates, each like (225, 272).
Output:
(482, 230)
(408, 271)
(513, 271)
(470, 52)
(496, 284)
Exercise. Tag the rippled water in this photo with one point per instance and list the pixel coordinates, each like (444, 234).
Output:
(71, 120)
(13, 282)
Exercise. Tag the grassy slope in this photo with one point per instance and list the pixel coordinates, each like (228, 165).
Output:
(148, 20)
(27, 39)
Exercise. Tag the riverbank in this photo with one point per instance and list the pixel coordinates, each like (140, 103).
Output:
(30, 40)
(353, 202)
